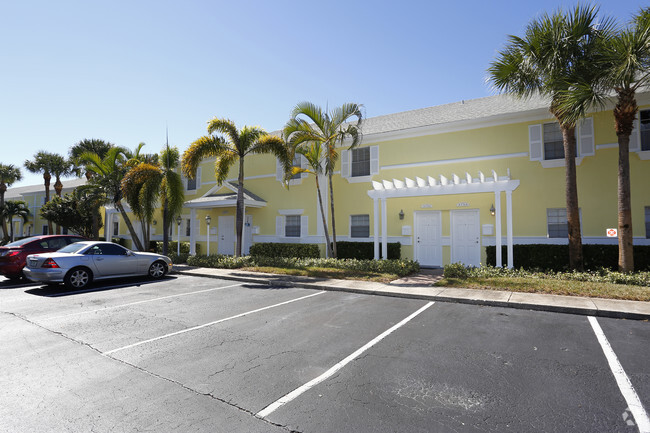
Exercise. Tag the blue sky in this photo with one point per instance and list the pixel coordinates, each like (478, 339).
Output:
(123, 71)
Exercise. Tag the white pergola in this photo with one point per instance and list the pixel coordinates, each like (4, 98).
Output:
(442, 185)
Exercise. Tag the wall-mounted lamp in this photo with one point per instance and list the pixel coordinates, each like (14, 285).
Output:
(492, 210)
(401, 214)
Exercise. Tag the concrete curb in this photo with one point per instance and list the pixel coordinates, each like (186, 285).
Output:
(633, 310)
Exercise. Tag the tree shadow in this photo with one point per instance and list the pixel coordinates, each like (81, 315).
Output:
(53, 291)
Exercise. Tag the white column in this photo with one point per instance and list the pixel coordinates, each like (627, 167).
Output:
(511, 259)
(497, 224)
(384, 230)
(192, 232)
(375, 219)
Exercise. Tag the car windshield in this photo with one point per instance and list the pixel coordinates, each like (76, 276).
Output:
(72, 248)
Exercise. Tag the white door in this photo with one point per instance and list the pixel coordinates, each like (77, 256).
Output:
(428, 238)
(465, 237)
(226, 242)
(248, 234)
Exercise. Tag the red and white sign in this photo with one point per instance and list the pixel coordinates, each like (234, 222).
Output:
(612, 233)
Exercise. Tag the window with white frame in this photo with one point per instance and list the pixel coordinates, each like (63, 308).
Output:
(360, 162)
(647, 222)
(557, 223)
(188, 227)
(45, 229)
(292, 226)
(645, 129)
(296, 163)
(553, 142)
(193, 184)
(116, 228)
(359, 226)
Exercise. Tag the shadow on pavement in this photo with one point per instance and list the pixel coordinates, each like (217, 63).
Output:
(118, 283)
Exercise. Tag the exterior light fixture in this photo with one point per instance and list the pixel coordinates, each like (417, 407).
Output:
(401, 214)
(154, 222)
(492, 210)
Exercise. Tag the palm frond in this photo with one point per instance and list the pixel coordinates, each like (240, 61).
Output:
(204, 147)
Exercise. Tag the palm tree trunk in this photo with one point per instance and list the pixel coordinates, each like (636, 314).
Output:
(58, 187)
(624, 114)
(47, 177)
(165, 227)
(322, 212)
(572, 209)
(240, 207)
(127, 221)
(334, 254)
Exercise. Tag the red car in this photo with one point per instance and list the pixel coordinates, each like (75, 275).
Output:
(14, 254)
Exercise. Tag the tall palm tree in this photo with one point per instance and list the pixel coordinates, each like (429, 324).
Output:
(625, 67)
(60, 167)
(107, 175)
(100, 147)
(314, 153)
(9, 174)
(42, 163)
(14, 208)
(310, 124)
(556, 53)
(144, 184)
(230, 145)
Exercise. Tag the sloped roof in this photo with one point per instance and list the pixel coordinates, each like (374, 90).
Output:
(226, 198)
(19, 191)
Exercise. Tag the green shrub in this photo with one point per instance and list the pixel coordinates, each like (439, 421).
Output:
(366, 250)
(273, 249)
(456, 270)
(178, 259)
(601, 275)
(119, 241)
(172, 247)
(219, 261)
(556, 257)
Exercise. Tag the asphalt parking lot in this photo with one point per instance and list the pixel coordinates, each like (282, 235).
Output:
(192, 354)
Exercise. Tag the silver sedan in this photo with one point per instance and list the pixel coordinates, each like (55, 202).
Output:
(78, 264)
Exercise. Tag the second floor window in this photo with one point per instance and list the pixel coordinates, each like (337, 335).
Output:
(553, 142)
(645, 129)
(360, 160)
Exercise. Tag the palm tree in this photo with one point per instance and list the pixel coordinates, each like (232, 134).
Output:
(145, 183)
(14, 208)
(100, 147)
(314, 153)
(42, 163)
(310, 124)
(59, 167)
(556, 53)
(107, 175)
(625, 68)
(230, 146)
(9, 174)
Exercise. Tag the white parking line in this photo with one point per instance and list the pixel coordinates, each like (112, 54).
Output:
(210, 324)
(623, 381)
(142, 302)
(298, 391)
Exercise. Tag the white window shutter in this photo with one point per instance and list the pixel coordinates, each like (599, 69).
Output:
(184, 181)
(304, 226)
(279, 226)
(279, 173)
(536, 145)
(303, 164)
(586, 134)
(198, 178)
(374, 159)
(635, 136)
(345, 163)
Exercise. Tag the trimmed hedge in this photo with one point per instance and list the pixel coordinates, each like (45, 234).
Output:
(172, 247)
(556, 257)
(366, 250)
(397, 267)
(273, 249)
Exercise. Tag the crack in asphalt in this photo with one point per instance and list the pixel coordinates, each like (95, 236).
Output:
(143, 370)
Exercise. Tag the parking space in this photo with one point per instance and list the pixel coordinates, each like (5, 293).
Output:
(235, 357)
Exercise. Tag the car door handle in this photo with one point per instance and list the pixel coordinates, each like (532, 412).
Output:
(99, 258)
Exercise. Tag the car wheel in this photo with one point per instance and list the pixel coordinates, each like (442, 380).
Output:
(157, 269)
(78, 278)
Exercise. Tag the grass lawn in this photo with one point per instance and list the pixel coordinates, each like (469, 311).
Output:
(315, 272)
(552, 287)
